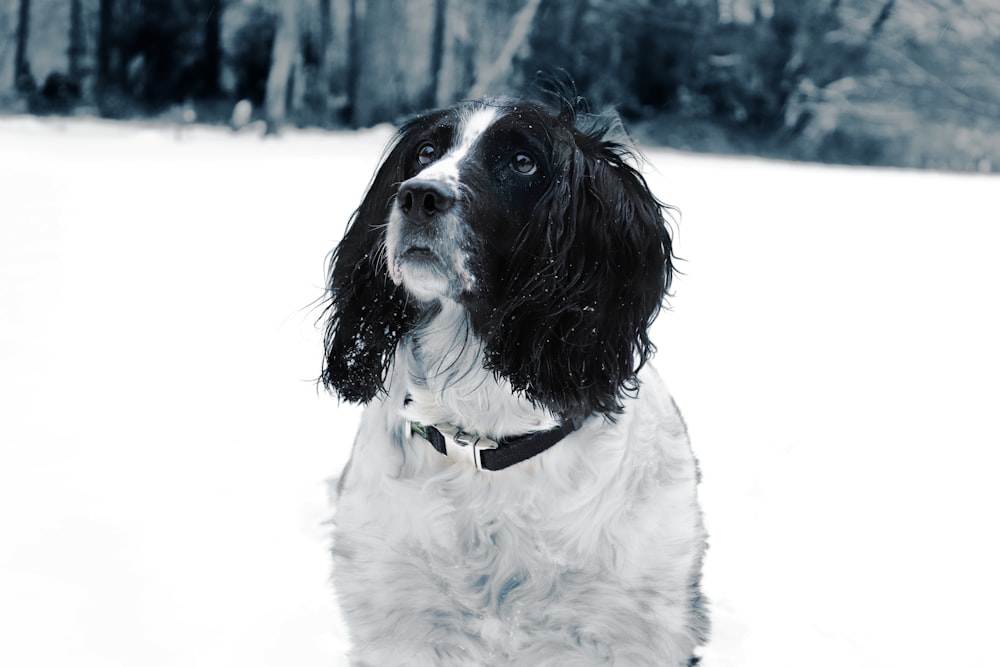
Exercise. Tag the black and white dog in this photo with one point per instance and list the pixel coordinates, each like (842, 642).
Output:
(521, 490)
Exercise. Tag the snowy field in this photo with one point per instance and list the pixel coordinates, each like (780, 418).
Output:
(164, 452)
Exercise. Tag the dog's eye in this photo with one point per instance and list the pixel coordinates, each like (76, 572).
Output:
(426, 154)
(523, 163)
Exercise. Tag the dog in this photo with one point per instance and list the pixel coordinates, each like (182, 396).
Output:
(521, 490)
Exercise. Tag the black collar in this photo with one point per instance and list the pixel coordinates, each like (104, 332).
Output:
(484, 453)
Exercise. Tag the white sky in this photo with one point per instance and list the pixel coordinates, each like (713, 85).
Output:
(163, 451)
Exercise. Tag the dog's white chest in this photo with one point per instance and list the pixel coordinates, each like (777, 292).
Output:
(582, 555)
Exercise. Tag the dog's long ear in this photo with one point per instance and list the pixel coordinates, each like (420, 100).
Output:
(586, 279)
(367, 314)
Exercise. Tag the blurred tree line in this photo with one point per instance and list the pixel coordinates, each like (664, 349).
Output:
(912, 82)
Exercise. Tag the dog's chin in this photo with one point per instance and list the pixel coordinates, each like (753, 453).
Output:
(424, 276)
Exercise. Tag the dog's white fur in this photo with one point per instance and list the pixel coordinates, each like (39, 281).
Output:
(561, 560)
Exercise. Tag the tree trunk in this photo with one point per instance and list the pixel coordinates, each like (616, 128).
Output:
(325, 40)
(213, 51)
(283, 56)
(393, 64)
(23, 81)
(76, 43)
(104, 40)
(437, 51)
(353, 53)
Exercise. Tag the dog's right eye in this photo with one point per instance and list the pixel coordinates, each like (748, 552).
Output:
(426, 154)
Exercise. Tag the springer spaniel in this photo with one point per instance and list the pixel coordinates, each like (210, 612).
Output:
(521, 490)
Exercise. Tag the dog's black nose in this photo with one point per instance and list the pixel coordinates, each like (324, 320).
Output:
(421, 201)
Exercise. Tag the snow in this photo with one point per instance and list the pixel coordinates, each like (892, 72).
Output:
(165, 454)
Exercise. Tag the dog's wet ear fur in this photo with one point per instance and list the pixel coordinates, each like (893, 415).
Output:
(569, 323)
(367, 313)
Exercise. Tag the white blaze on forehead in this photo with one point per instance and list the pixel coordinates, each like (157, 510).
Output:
(473, 126)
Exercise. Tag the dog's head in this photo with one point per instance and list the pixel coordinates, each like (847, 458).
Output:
(536, 223)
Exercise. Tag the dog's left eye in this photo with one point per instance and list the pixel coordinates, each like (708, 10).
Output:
(426, 154)
(523, 163)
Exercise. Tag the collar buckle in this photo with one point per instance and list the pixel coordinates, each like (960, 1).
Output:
(453, 442)
(467, 446)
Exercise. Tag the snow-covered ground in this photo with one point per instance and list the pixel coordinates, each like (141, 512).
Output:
(164, 452)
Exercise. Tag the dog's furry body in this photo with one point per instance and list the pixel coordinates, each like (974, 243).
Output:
(586, 554)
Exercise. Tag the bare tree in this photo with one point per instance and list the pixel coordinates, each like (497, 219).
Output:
(284, 54)
(213, 48)
(354, 19)
(325, 41)
(438, 50)
(104, 44)
(23, 81)
(76, 41)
